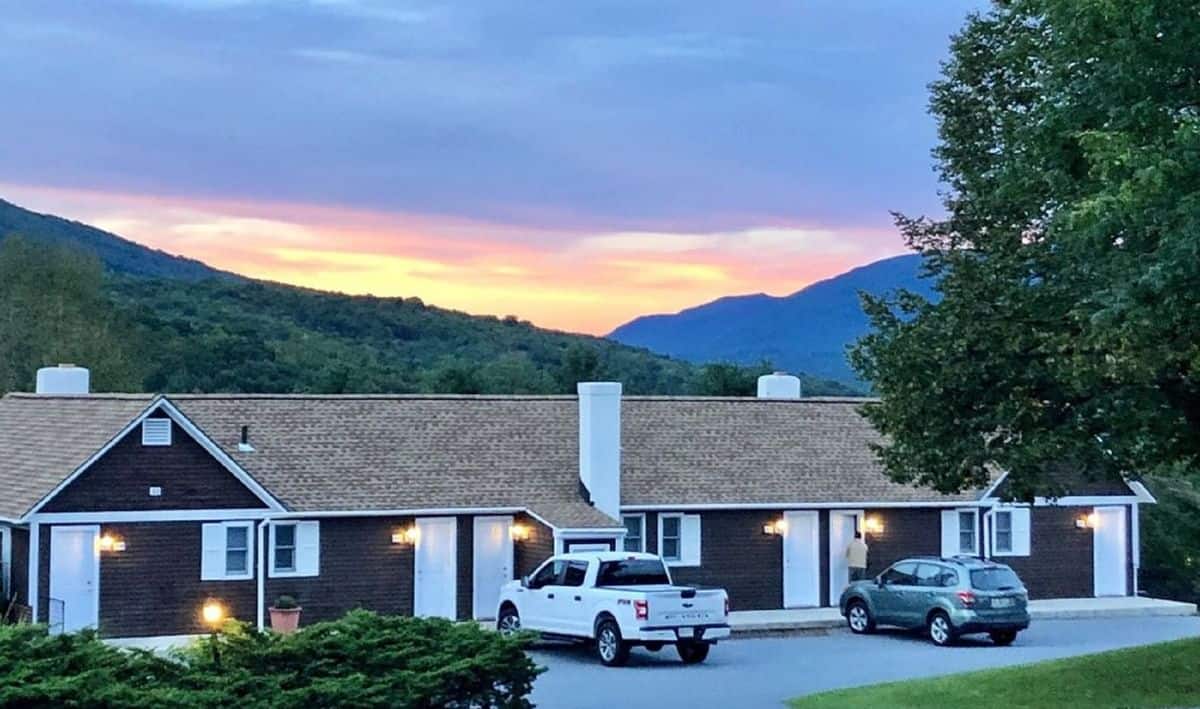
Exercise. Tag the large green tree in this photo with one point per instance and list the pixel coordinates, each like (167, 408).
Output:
(1068, 262)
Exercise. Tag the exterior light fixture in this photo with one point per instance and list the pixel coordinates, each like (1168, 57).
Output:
(108, 542)
(777, 528)
(519, 532)
(873, 525)
(409, 535)
(1088, 521)
(213, 614)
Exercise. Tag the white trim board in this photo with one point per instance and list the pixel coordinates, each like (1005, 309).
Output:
(798, 506)
(219, 515)
(156, 404)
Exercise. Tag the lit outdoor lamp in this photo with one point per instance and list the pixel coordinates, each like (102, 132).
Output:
(213, 614)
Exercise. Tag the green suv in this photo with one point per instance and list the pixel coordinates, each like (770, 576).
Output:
(944, 597)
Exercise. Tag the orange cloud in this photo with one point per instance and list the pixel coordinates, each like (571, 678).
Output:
(581, 279)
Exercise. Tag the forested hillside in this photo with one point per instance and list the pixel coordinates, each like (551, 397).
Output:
(145, 320)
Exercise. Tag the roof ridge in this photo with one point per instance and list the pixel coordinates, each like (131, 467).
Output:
(133, 396)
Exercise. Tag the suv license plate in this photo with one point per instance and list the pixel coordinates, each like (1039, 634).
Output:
(687, 632)
(1002, 603)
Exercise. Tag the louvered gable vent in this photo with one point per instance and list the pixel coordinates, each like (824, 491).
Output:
(156, 432)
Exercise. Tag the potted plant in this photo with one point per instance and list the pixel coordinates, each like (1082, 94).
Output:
(285, 615)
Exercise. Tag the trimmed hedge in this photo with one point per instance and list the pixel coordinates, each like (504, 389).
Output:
(362, 660)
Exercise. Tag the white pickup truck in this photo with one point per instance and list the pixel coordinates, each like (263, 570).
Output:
(616, 600)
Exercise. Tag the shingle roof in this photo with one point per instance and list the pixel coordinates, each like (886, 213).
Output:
(44, 439)
(361, 453)
(755, 451)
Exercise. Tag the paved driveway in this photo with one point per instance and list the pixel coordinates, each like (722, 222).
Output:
(762, 672)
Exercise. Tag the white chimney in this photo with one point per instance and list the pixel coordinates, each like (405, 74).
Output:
(64, 379)
(600, 444)
(779, 385)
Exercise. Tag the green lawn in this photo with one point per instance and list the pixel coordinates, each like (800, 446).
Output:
(1164, 675)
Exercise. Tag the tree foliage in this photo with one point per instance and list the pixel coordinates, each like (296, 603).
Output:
(362, 660)
(1068, 327)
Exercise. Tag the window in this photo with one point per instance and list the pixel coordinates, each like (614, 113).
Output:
(635, 532)
(966, 532)
(156, 432)
(936, 576)
(679, 539)
(1004, 538)
(548, 574)
(632, 572)
(295, 549)
(999, 578)
(575, 573)
(285, 548)
(669, 543)
(903, 574)
(227, 550)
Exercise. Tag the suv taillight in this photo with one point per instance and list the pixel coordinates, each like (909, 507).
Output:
(727, 605)
(641, 610)
(966, 598)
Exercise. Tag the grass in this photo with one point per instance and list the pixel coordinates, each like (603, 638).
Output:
(1163, 675)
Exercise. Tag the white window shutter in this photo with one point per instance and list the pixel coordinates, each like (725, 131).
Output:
(308, 548)
(1020, 531)
(949, 532)
(689, 533)
(212, 552)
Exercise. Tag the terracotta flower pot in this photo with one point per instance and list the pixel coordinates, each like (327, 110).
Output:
(285, 620)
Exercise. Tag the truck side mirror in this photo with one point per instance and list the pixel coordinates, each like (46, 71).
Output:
(525, 581)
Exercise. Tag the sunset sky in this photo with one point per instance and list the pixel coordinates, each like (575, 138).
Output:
(573, 163)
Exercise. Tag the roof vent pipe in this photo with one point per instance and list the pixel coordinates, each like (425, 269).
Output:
(779, 385)
(244, 444)
(64, 379)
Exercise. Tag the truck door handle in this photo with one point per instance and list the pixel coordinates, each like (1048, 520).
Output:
(579, 598)
(549, 595)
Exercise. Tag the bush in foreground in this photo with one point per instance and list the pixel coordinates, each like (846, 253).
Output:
(362, 660)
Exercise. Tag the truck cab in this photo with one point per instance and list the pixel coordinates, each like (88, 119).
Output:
(616, 600)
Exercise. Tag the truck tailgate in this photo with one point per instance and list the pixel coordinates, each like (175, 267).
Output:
(680, 606)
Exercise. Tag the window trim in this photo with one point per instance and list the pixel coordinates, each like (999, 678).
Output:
(241, 575)
(274, 545)
(996, 550)
(974, 512)
(678, 538)
(642, 537)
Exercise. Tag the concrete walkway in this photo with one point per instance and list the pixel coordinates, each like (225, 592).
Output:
(1050, 609)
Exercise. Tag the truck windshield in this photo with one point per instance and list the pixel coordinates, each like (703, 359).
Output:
(997, 579)
(632, 572)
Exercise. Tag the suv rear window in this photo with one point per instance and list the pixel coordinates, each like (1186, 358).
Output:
(632, 572)
(997, 579)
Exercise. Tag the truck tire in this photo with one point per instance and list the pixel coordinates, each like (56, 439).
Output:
(509, 621)
(610, 648)
(692, 653)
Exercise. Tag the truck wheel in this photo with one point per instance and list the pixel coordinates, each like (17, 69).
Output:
(941, 632)
(1003, 637)
(612, 650)
(859, 618)
(654, 647)
(509, 621)
(692, 653)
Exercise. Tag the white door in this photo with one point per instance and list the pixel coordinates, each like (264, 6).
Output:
(75, 576)
(842, 525)
(493, 561)
(1109, 551)
(801, 560)
(435, 583)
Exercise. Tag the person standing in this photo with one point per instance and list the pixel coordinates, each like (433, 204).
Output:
(856, 557)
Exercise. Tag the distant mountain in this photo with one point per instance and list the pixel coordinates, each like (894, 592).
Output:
(118, 254)
(192, 328)
(807, 331)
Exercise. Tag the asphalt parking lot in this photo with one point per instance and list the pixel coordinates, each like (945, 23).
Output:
(763, 672)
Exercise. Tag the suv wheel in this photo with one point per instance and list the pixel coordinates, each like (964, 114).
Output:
(610, 648)
(859, 618)
(1003, 637)
(941, 632)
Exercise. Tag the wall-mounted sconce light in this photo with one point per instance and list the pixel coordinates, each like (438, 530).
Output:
(519, 532)
(406, 536)
(873, 525)
(213, 613)
(108, 542)
(1087, 521)
(778, 527)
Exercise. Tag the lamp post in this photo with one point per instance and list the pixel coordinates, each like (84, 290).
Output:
(213, 614)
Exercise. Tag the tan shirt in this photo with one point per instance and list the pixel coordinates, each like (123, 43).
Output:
(856, 554)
